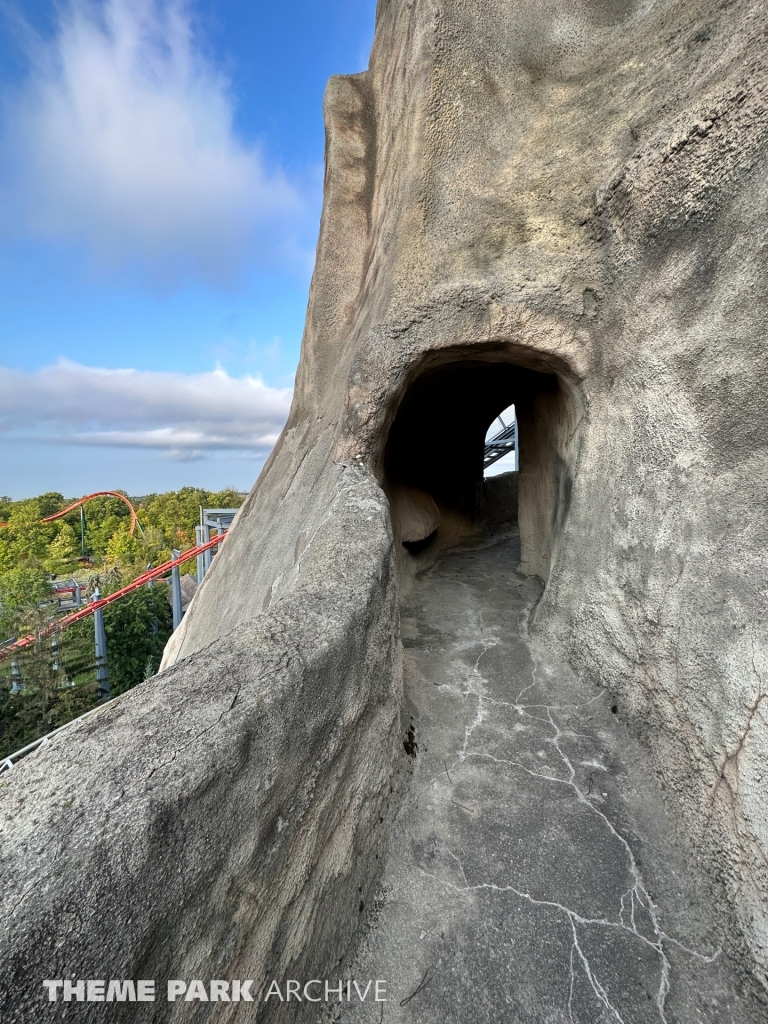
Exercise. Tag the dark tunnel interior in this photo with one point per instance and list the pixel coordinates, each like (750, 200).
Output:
(436, 441)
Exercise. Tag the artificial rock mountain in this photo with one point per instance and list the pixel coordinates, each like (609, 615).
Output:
(560, 204)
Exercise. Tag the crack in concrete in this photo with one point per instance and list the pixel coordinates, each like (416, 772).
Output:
(507, 844)
(479, 715)
(732, 758)
(575, 918)
(336, 498)
(184, 746)
(637, 895)
(30, 888)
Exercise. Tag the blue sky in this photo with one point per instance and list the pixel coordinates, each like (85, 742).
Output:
(160, 191)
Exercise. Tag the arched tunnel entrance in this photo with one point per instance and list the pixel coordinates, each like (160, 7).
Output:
(433, 460)
(519, 766)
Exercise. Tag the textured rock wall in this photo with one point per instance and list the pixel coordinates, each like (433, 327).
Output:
(579, 189)
(584, 187)
(576, 188)
(226, 819)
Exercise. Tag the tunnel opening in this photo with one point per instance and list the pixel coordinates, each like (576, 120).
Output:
(434, 459)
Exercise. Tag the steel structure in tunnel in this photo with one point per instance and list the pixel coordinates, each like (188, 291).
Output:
(464, 396)
(438, 499)
(502, 443)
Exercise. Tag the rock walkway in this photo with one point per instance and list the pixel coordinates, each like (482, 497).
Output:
(532, 876)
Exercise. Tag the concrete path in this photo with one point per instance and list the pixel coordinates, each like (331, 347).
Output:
(532, 877)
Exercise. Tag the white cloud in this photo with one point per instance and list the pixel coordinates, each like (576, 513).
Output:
(175, 414)
(122, 137)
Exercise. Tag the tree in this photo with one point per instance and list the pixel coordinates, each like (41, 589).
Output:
(137, 628)
(99, 533)
(123, 549)
(25, 539)
(63, 550)
(153, 546)
(22, 590)
(176, 513)
(50, 503)
(58, 684)
(58, 673)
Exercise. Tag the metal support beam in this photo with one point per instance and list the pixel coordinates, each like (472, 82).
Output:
(176, 592)
(102, 674)
(502, 444)
(200, 558)
(55, 656)
(206, 554)
(218, 519)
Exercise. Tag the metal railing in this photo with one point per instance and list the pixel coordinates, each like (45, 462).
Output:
(94, 608)
(501, 444)
(89, 609)
(9, 762)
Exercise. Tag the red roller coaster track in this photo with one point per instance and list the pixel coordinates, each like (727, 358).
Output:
(89, 609)
(96, 494)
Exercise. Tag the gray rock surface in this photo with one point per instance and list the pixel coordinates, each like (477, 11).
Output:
(556, 203)
(223, 820)
(532, 874)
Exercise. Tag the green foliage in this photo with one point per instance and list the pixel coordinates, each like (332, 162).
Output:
(23, 716)
(51, 502)
(168, 521)
(25, 540)
(123, 547)
(59, 682)
(57, 687)
(153, 546)
(137, 628)
(99, 509)
(175, 514)
(23, 587)
(22, 590)
(100, 532)
(63, 551)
